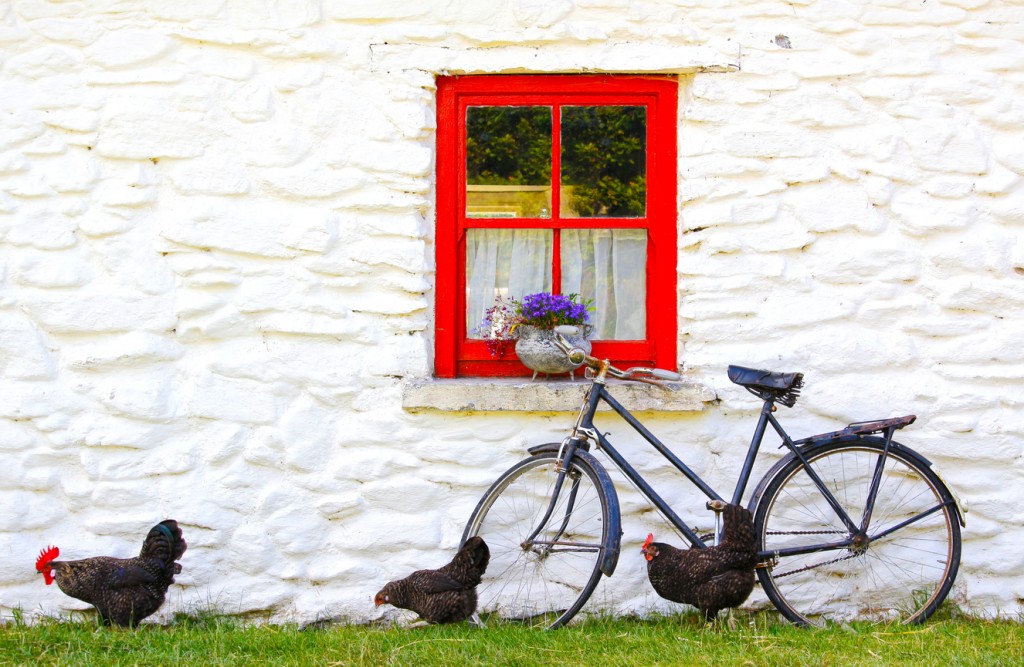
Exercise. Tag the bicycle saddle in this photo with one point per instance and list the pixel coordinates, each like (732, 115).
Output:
(782, 387)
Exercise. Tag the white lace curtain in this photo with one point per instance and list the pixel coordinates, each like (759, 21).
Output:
(606, 265)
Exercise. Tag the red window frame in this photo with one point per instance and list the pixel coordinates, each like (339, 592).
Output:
(458, 355)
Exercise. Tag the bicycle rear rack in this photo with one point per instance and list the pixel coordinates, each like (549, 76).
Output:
(860, 428)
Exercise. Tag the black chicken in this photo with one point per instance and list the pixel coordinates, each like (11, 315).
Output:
(710, 579)
(444, 595)
(123, 590)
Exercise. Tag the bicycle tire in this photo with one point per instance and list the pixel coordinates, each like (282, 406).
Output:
(540, 585)
(903, 576)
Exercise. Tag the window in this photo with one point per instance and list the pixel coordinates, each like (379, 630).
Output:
(557, 183)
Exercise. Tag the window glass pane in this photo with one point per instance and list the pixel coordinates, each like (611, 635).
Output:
(506, 263)
(604, 162)
(508, 162)
(608, 266)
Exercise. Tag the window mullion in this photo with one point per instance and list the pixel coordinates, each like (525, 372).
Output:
(556, 198)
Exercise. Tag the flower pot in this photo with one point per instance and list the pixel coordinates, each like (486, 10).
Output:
(536, 348)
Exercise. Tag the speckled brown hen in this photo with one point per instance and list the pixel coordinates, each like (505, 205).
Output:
(444, 595)
(123, 590)
(710, 579)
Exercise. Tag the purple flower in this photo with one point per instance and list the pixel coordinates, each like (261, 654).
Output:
(546, 310)
(543, 310)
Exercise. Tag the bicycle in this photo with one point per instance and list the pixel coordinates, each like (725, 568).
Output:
(850, 523)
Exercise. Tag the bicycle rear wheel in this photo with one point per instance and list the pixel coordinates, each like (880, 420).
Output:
(899, 569)
(542, 570)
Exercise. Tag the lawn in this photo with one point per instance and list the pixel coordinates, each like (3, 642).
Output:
(749, 639)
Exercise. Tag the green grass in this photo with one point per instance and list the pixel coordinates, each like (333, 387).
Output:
(761, 639)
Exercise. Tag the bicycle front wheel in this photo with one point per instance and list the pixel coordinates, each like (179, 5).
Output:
(900, 568)
(546, 532)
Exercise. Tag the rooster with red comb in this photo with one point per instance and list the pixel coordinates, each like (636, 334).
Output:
(123, 590)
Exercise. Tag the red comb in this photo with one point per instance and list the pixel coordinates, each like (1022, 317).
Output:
(650, 538)
(45, 556)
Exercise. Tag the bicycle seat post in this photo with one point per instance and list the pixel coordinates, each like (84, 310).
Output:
(717, 506)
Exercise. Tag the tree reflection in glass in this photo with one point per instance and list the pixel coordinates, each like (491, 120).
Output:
(508, 162)
(604, 162)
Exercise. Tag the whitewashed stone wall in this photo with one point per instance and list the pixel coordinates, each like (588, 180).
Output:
(216, 269)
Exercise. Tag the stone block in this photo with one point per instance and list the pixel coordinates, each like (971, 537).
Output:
(767, 142)
(185, 10)
(342, 507)
(920, 215)
(24, 354)
(128, 48)
(127, 351)
(831, 207)
(75, 31)
(102, 221)
(296, 531)
(399, 252)
(307, 362)
(139, 127)
(1001, 297)
(407, 533)
(948, 145)
(262, 293)
(369, 463)
(107, 496)
(210, 175)
(850, 259)
(264, 228)
(13, 162)
(306, 429)
(147, 395)
(375, 11)
(44, 227)
(96, 429)
(276, 142)
(308, 181)
(205, 299)
(45, 61)
(893, 16)
(309, 324)
(251, 552)
(16, 436)
(240, 401)
(109, 311)
(73, 173)
(386, 157)
(22, 511)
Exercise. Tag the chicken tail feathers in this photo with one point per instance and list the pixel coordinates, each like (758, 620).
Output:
(479, 553)
(469, 563)
(739, 533)
(46, 556)
(164, 542)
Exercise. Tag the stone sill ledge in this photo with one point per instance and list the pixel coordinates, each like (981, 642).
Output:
(521, 395)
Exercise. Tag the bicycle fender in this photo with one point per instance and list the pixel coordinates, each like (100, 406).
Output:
(809, 449)
(613, 542)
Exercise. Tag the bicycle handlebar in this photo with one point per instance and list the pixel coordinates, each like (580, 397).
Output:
(639, 373)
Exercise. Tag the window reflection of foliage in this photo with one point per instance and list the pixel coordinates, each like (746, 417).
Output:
(508, 145)
(603, 159)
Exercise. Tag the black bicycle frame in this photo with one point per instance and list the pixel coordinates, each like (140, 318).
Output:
(585, 426)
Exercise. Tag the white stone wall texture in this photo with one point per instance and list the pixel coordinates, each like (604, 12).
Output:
(216, 270)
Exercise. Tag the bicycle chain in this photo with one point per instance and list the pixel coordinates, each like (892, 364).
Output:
(811, 567)
(810, 532)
